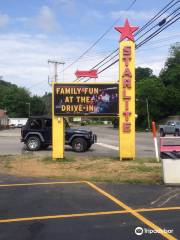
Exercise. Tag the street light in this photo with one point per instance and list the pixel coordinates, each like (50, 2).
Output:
(148, 118)
(29, 108)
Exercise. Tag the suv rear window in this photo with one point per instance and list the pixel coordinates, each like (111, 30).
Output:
(35, 124)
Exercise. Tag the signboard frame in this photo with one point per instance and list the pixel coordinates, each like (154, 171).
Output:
(83, 84)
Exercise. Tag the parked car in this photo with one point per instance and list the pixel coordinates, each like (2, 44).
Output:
(171, 127)
(84, 122)
(12, 126)
(37, 134)
(19, 125)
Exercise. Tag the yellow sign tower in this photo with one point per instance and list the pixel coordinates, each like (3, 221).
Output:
(126, 92)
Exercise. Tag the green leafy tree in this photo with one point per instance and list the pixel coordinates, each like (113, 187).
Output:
(153, 91)
(143, 73)
(37, 106)
(170, 74)
(14, 99)
(47, 99)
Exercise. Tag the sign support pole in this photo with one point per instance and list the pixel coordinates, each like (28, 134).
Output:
(58, 135)
(126, 92)
(126, 102)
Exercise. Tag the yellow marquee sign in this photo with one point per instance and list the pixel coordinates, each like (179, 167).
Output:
(71, 100)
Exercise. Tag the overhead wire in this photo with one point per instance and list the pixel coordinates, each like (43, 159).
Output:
(171, 4)
(99, 39)
(145, 40)
(94, 44)
(109, 58)
(156, 25)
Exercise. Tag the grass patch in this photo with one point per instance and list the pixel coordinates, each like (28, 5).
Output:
(59, 160)
(140, 170)
(7, 164)
(144, 168)
(146, 160)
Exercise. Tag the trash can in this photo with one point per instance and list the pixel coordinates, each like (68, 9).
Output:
(170, 157)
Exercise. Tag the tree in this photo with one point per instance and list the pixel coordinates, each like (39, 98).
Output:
(14, 99)
(143, 73)
(170, 74)
(154, 91)
(37, 106)
(47, 99)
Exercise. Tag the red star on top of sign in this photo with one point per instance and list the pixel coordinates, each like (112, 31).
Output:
(126, 31)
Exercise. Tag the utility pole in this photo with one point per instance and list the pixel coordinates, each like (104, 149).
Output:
(56, 63)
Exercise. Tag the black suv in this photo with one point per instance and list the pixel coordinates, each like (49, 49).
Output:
(37, 134)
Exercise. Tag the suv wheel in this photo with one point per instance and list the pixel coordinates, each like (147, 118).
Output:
(33, 143)
(89, 145)
(177, 132)
(79, 145)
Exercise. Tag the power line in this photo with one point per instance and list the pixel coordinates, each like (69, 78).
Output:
(156, 25)
(95, 43)
(109, 58)
(144, 41)
(169, 23)
(99, 39)
(158, 15)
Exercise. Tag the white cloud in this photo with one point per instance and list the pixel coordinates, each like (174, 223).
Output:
(68, 6)
(4, 19)
(132, 15)
(23, 59)
(46, 19)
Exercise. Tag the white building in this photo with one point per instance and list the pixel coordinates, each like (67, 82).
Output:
(17, 121)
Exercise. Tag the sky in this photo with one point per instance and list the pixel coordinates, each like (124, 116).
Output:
(33, 32)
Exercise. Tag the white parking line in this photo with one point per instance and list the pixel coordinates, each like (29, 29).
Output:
(108, 146)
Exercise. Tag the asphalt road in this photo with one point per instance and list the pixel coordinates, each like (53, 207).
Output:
(81, 211)
(107, 144)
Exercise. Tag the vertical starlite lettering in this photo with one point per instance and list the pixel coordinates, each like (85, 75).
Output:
(126, 92)
(126, 83)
